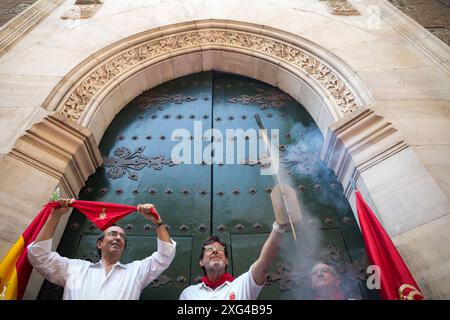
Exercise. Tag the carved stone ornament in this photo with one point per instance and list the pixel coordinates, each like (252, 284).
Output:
(83, 9)
(84, 2)
(104, 74)
(342, 8)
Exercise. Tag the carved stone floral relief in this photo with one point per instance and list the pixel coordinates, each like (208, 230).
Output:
(83, 9)
(104, 74)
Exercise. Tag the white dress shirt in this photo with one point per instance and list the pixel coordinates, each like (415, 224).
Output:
(243, 287)
(88, 281)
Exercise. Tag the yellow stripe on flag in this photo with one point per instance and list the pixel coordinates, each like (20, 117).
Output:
(8, 272)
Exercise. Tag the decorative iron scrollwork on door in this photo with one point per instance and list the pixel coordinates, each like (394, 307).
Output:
(127, 161)
(161, 281)
(286, 277)
(264, 99)
(157, 99)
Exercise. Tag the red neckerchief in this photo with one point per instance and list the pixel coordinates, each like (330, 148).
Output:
(214, 284)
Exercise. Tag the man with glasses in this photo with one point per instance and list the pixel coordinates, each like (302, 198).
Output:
(325, 282)
(217, 284)
(107, 279)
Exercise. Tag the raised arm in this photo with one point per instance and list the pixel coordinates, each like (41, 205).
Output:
(161, 230)
(153, 266)
(49, 228)
(268, 253)
(49, 263)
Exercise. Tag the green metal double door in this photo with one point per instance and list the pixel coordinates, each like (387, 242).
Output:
(229, 197)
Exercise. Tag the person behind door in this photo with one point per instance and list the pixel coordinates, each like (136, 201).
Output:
(217, 284)
(326, 282)
(107, 279)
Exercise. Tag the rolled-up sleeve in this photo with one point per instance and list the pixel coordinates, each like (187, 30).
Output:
(48, 263)
(151, 267)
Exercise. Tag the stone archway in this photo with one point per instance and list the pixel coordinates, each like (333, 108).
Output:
(296, 65)
(98, 88)
(357, 140)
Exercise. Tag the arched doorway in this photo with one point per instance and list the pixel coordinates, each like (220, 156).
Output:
(230, 200)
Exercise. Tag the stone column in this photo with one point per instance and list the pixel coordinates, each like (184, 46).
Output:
(56, 152)
(398, 188)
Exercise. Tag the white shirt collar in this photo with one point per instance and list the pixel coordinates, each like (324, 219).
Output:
(100, 263)
(204, 286)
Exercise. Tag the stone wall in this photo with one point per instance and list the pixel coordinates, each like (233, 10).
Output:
(399, 69)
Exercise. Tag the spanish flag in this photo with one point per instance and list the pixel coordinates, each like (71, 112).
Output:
(397, 283)
(15, 270)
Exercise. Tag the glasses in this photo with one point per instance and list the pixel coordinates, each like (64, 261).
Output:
(211, 248)
(115, 234)
(323, 270)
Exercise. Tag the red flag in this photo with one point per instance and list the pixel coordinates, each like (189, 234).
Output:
(102, 214)
(105, 214)
(397, 283)
(15, 269)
